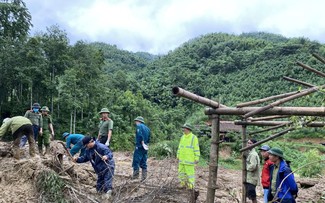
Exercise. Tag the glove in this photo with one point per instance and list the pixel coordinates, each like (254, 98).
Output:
(107, 143)
(146, 147)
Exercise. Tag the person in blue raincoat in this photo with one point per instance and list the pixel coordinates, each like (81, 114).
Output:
(283, 186)
(101, 158)
(140, 155)
(76, 140)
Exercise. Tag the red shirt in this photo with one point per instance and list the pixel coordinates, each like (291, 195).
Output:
(265, 177)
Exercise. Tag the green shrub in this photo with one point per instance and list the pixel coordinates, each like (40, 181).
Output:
(314, 169)
(164, 149)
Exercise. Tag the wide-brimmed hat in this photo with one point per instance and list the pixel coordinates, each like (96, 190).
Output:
(36, 106)
(45, 108)
(188, 126)
(265, 148)
(104, 110)
(139, 118)
(86, 140)
(65, 134)
(276, 151)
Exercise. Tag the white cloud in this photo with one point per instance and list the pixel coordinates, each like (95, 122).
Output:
(159, 26)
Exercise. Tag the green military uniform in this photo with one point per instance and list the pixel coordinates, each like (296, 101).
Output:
(45, 137)
(104, 127)
(188, 154)
(35, 118)
(19, 126)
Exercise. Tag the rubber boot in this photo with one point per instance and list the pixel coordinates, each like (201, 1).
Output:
(47, 150)
(144, 175)
(40, 151)
(135, 174)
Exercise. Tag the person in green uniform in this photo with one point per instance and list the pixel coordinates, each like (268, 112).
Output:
(35, 117)
(19, 126)
(105, 127)
(48, 131)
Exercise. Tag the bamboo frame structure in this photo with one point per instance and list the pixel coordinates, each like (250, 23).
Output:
(246, 112)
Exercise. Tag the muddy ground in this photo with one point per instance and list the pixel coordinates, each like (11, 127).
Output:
(19, 180)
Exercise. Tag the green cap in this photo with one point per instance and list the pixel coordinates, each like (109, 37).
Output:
(188, 126)
(276, 151)
(104, 110)
(139, 118)
(45, 108)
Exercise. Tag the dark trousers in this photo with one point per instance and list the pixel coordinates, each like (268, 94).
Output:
(23, 130)
(36, 129)
(103, 139)
(140, 157)
(105, 179)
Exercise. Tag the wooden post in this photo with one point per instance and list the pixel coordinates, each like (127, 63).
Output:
(268, 129)
(298, 81)
(258, 101)
(267, 139)
(268, 118)
(214, 158)
(321, 59)
(293, 111)
(244, 174)
(202, 100)
(311, 69)
(286, 99)
(262, 123)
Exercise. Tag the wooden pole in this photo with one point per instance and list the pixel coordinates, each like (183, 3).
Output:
(262, 123)
(214, 156)
(267, 139)
(298, 81)
(292, 111)
(250, 103)
(268, 129)
(321, 59)
(311, 69)
(268, 117)
(281, 101)
(202, 100)
(244, 174)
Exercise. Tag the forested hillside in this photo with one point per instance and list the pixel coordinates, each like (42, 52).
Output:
(77, 80)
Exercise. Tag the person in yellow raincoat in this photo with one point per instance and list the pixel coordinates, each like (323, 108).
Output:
(188, 155)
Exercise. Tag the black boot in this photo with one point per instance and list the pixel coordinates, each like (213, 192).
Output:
(144, 174)
(135, 174)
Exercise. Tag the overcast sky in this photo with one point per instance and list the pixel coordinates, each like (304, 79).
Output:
(158, 26)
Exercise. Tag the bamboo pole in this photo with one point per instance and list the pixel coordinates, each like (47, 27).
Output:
(311, 69)
(202, 100)
(250, 103)
(298, 81)
(281, 101)
(276, 123)
(293, 111)
(321, 59)
(262, 123)
(268, 117)
(268, 129)
(244, 170)
(267, 139)
(214, 156)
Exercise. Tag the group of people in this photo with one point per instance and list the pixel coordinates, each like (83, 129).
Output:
(277, 178)
(36, 125)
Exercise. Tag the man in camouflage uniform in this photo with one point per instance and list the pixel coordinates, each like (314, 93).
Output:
(19, 126)
(48, 131)
(105, 127)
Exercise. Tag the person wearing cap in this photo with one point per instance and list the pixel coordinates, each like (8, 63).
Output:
(35, 117)
(140, 155)
(282, 188)
(76, 140)
(19, 126)
(105, 127)
(188, 155)
(265, 175)
(48, 131)
(101, 158)
(252, 170)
